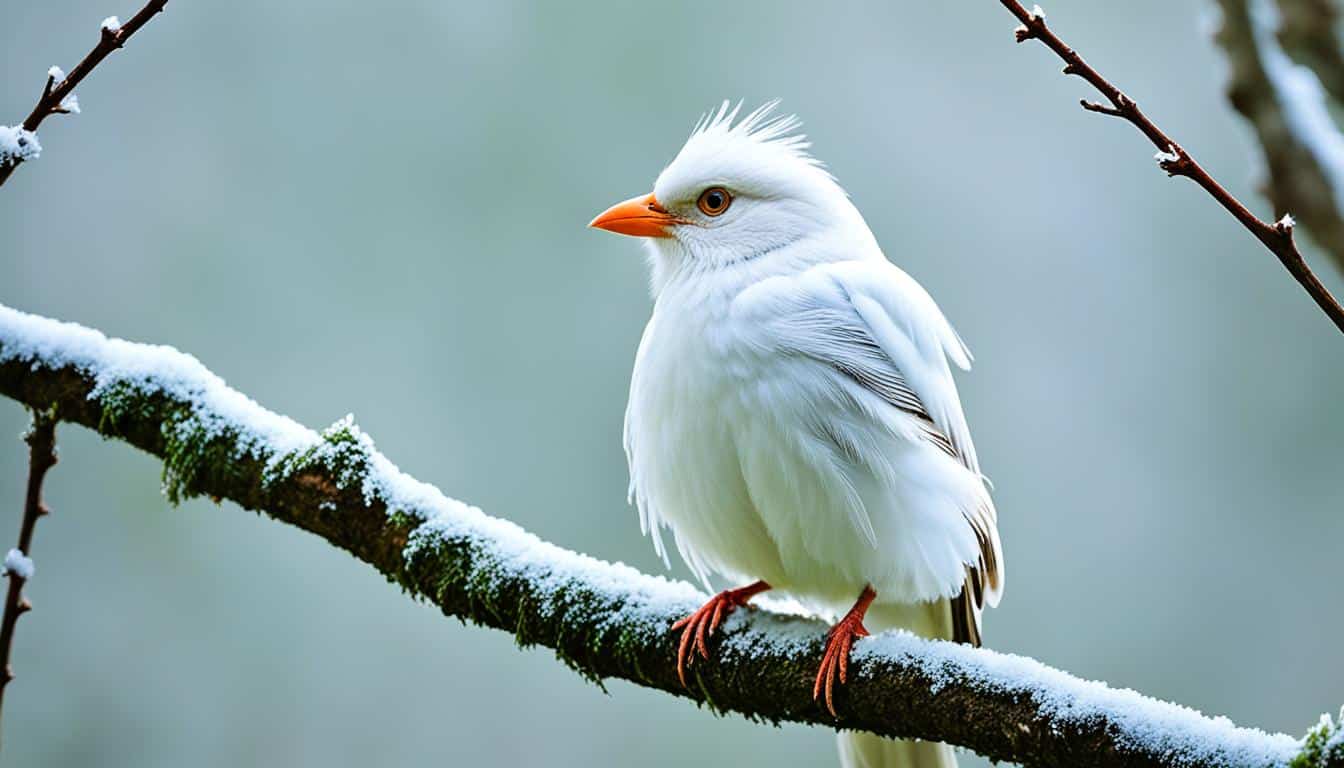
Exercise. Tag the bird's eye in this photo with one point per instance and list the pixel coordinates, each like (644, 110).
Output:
(714, 201)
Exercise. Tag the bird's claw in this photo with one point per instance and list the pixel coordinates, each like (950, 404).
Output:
(835, 661)
(697, 628)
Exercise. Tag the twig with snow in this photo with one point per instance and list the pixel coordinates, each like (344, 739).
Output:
(1283, 85)
(18, 564)
(605, 620)
(19, 143)
(1174, 159)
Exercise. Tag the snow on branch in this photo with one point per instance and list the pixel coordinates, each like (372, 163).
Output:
(605, 620)
(1173, 158)
(1285, 66)
(19, 143)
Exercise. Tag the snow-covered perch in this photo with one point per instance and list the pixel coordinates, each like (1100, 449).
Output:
(604, 620)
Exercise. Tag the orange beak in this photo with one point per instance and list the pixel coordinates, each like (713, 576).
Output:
(638, 217)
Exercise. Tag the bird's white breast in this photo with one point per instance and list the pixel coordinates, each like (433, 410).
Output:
(682, 425)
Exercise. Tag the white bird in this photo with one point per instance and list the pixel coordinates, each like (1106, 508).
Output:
(793, 419)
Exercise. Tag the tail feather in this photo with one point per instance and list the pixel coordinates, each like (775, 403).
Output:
(864, 750)
(946, 619)
(965, 618)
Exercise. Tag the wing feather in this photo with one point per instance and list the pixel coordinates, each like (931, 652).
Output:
(878, 327)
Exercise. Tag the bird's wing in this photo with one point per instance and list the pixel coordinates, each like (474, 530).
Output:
(873, 323)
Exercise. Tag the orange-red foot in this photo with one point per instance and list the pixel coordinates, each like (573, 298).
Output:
(701, 624)
(835, 661)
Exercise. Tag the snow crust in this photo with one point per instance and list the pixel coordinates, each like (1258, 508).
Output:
(1183, 734)
(513, 552)
(18, 145)
(112, 24)
(149, 368)
(1336, 741)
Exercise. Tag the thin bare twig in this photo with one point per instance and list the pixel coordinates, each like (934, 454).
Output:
(41, 439)
(111, 37)
(1176, 161)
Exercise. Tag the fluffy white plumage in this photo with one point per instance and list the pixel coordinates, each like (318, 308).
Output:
(793, 416)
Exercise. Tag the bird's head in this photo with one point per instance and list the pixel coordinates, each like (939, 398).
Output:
(738, 191)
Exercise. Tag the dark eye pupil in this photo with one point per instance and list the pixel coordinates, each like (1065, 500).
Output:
(714, 201)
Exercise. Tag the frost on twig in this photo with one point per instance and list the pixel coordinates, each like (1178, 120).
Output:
(19, 144)
(1171, 160)
(605, 620)
(18, 564)
(1166, 156)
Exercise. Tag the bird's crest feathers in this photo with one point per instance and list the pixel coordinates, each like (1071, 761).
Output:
(760, 126)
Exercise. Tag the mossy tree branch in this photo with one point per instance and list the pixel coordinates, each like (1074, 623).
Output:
(605, 621)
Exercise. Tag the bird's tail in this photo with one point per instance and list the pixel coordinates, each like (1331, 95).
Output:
(864, 750)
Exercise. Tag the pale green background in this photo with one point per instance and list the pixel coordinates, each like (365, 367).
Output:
(380, 208)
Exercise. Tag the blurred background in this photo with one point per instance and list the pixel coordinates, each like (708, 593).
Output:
(380, 208)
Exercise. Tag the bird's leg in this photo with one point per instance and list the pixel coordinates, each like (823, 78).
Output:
(835, 662)
(701, 624)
